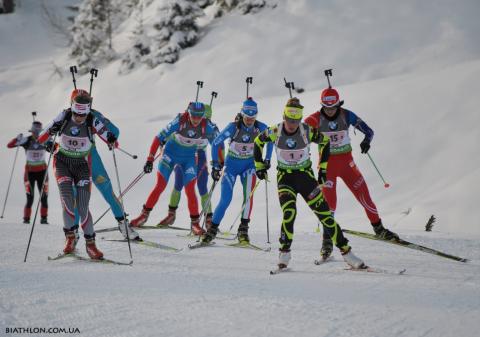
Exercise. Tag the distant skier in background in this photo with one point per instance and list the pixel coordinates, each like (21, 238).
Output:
(100, 176)
(202, 182)
(180, 140)
(76, 127)
(35, 171)
(292, 140)
(239, 162)
(334, 121)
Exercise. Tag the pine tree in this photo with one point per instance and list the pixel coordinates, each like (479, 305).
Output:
(175, 30)
(140, 51)
(92, 33)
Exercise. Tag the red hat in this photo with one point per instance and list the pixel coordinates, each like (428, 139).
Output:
(78, 92)
(330, 98)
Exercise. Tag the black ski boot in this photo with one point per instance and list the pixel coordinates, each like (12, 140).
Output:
(327, 248)
(383, 233)
(242, 234)
(210, 234)
(43, 220)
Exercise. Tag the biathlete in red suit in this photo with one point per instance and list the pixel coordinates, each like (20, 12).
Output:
(35, 171)
(334, 121)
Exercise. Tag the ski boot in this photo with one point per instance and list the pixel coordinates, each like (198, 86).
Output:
(43, 220)
(70, 240)
(284, 258)
(327, 248)
(208, 220)
(26, 215)
(351, 259)
(132, 235)
(383, 233)
(91, 248)
(142, 218)
(170, 218)
(210, 234)
(195, 226)
(242, 234)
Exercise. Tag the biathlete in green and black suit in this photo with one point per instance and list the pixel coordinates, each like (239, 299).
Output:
(292, 140)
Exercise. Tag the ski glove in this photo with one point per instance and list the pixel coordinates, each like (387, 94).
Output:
(262, 174)
(322, 176)
(49, 146)
(148, 167)
(216, 173)
(55, 128)
(111, 139)
(365, 145)
(267, 164)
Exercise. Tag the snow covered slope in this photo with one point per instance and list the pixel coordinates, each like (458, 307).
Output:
(409, 70)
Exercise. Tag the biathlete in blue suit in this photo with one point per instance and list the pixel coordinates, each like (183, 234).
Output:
(202, 180)
(100, 176)
(181, 138)
(239, 162)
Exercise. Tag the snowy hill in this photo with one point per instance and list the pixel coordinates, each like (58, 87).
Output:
(409, 70)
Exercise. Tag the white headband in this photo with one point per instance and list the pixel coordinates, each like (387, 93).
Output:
(81, 109)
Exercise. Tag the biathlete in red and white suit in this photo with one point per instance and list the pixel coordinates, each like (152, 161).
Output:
(72, 164)
(35, 171)
(334, 121)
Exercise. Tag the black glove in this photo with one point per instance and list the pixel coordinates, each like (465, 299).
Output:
(262, 174)
(216, 173)
(267, 164)
(322, 176)
(55, 128)
(148, 167)
(365, 145)
(49, 146)
(111, 138)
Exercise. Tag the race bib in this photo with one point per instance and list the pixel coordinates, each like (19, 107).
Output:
(242, 149)
(75, 144)
(199, 142)
(338, 138)
(35, 155)
(293, 156)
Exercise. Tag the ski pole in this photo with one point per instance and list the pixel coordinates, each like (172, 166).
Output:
(121, 201)
(266, 201)
(249, 80)
(133, 156)
(34, 114)
(214, 95)
(387, 185)
(9, 182)
(93, 72)
(207, 203)
(245, 203)
(73, 70)
(290, 86)
(328, 73)
(41, 194)
(199, 85)
(128, 188)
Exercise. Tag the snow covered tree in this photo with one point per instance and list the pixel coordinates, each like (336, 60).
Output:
(175, 30)
(92, 33)
(140, 51)
(244, 6)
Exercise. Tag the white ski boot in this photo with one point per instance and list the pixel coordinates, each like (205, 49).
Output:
(132, 234)
(284, 258)
(352, 260)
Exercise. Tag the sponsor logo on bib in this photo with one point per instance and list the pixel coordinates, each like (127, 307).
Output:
(291, 143)
(74, 131)
(333, 125)
(246, 138)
